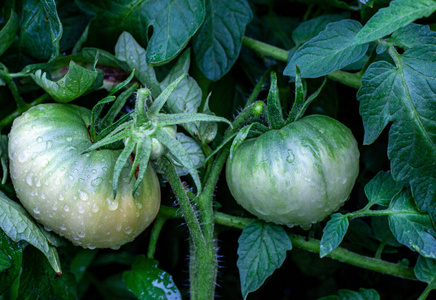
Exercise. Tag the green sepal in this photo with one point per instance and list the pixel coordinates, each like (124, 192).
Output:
(95, 114)
(119, 165)
(300, 104)
(175, 119)
(143, 150)
(274, 109)
(176, 149)
(240, 137)
(160, 101)
(122, 84)
(117, 134)
(115, 108)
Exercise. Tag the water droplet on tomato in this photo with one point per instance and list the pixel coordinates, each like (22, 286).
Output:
(80, 209)
(55, 207)
(104, 169)
(138, 205)
(66, 208)
(97, 181)
(23, 156)
(29, 178)
(39, 139)
(47, 228)
(69, 139)
(48, 144)
(128, 230)
(71, 177)
(83, 195)
(91, 246)
(63, 227)
(95, 208)
(81, 234)
(344, 180)
(93, 171)
(112, 204)
(38, 183)
(119, 227)
(43, 196)
(61, 197)
(36, 210)
(291, 157)
(301, 214)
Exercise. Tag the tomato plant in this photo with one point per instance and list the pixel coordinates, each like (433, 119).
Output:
(167, 149)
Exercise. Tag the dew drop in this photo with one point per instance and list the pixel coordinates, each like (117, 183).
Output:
(81, 180)
(97, 181)
(137, 214)
(61, 197)
(115, 247)
(128, 230)
(57, 181)
(23, 156)
(69, 139)
(48, 145)
(301, 214)
(344, 180)
(47, 228)
(38, 183)
(66, 208)
(112, 204)
(91, 247)
(71, 177)
(39, 139)
(36, 210)
(81, 234)
(308, 179)
(55, 207)
(291, 157)
(83, 195)
(104, 169)
(63, 227)
(95, 208)
(29, 178)
(43, 196)
(80, 209)
(119, 227)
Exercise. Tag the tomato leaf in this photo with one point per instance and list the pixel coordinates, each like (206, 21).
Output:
(262, 249)
(74, 84)
(380, 228)
(56, 29)
(399, 13)
(413, 35)
(174, 23)
(18, 225)
(311, 28)
(362, 294)
(38, 281)
(411, 227)
(147, 281)
(405, 95)
(274, 108)
(8, 32)
(425, 269)
(129, 51)
(11, 256)
(381, 189)
(333, 233)
(181, 67)
(329, 51)
(218, 42)
(194, 151)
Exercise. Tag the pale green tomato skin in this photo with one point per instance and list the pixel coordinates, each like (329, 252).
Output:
(297, 175)
(69, 192)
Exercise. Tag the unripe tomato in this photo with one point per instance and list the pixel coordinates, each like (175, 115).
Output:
(297, 175)
(70, 192)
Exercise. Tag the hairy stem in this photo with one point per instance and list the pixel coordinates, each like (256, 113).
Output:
(155, 232)
(351, 79)
(431, 286)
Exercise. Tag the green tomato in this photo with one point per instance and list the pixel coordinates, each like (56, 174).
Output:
(70, 192)
(297, 175)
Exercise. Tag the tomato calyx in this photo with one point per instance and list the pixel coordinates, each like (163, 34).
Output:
(149, 134)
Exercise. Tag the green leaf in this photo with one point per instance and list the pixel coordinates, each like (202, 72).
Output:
(39, 282)
(425, 269)
(194, 151)
(413, 35)
(333, 233)
(381, 189)
(147, 281)
(404, 94)
(160, 101)
(262, 249)
(411, 227)
(362, 294)
(204, 131)
(173, 23)
(18, 225)
(129, 51)
(55, 25)
(382, 233)
(311, 28)
(74, 84)
(218, 42)
(35, 34)
(274, 109)
(8, 32)
(143, 151)
(179, 153)
(11, 256)
(398, 14)
(329, 51)
(180, 67)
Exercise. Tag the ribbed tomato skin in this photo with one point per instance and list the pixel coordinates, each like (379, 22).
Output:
(70, 192)
(297, 175)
